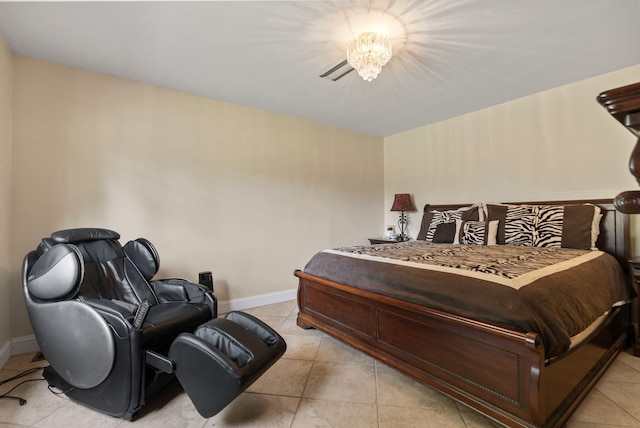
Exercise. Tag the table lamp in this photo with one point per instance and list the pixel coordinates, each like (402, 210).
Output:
(402, 202)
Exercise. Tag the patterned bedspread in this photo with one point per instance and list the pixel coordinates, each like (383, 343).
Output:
(510, 265)
(555, 292)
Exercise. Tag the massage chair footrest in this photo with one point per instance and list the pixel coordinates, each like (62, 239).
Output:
(222, 358)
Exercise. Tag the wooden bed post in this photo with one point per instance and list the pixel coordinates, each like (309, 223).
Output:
(624, 105)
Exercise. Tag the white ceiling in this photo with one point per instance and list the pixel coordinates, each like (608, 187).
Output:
(450, 56)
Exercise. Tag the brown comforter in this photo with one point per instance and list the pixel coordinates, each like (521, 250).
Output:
(555, 292)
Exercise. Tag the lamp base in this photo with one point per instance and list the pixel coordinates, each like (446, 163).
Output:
(402, 223)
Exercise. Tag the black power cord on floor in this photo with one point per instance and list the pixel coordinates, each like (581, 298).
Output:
(21, 400)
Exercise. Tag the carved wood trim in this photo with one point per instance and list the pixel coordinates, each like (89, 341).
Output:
(624, 105)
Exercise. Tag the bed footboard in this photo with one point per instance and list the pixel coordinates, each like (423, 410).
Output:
(499, 372)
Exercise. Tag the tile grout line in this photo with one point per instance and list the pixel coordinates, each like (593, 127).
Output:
(306, 382)
(375, 371)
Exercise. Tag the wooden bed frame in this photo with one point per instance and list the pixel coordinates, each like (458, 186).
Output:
(499, 372)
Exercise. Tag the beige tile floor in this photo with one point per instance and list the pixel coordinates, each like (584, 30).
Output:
(319, 382)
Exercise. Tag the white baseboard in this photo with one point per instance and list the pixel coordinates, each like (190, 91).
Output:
(251, 302)
(5, 353)
(17, 346)
(22, 345)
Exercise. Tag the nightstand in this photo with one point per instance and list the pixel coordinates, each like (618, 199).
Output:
(394, 241)
(635, 272)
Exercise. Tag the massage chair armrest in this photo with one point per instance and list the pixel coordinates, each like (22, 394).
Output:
(117, 313)
(181, 290)
(170, 290)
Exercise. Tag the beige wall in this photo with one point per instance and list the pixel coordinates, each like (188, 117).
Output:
(247, 194)
(554, 145)
(251, 195)
(5, 189)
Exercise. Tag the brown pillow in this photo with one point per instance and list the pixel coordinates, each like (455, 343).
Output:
(444, 234)
(578, 225)
(498, 212)
(424, 226)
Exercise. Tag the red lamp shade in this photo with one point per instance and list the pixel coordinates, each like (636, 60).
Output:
(403, 202)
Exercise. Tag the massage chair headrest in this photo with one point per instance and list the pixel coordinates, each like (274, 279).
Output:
(57, 274)
(72, 236)
(141, 252)
(144, 255)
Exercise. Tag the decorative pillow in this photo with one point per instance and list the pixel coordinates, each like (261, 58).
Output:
(433, 218)
(444, 233)
(491, 238)
(568, 226)
(581, 226)
(497, 212)
(516, 223)
(548, 225)
(477, 232)
(519, 227)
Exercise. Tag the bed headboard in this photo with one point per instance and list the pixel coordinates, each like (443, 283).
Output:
(614, 226)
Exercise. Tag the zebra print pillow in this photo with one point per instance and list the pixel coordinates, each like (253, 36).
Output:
(548, 223)
(440, 217)
(519, 225)
(477, 232)
(569, 226)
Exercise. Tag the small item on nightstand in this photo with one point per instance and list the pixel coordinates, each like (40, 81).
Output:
(390, 232)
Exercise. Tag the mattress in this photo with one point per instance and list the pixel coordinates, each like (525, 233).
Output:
(555, 292)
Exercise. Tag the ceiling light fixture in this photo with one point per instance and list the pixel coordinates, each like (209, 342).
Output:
(367, 53)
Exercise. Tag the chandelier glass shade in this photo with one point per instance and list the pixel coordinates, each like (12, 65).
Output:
(367, 53)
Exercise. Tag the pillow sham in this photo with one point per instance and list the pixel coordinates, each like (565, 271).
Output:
(476, 232)
(497, 212)
(519, 225)
(581, 226)
(445, 233)
(568, 226)
(433, 218)
(548, 225)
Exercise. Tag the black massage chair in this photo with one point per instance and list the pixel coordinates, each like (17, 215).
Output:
(112, 335)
